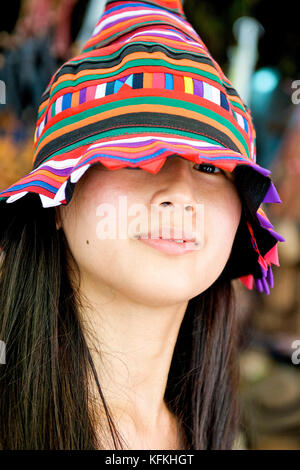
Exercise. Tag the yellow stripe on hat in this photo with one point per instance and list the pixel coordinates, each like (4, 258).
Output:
(188, 85)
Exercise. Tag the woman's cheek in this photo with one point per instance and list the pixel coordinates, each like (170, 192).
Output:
(223, 216)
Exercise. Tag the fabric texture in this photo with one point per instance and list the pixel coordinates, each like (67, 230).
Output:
(144, 88)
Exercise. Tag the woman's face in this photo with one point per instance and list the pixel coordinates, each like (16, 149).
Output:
(131, 267)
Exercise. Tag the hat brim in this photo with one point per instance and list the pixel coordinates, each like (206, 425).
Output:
(52, 177)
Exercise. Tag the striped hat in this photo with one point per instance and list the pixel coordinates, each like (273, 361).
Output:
(145, 87)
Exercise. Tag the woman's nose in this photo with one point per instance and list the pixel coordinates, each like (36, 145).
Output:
(176, 186)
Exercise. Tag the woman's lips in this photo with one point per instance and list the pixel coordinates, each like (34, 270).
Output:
(169, 246)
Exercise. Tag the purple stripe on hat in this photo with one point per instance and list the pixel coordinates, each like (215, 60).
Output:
(277, 236)
(263, 222)
(113, 23)
(260, 169)
(198, 87)
(272, 195)
(265, 286)
(62, 172)
(263, 271)
(123, 79)
(82, 95)
(258, 285)
(270, 277)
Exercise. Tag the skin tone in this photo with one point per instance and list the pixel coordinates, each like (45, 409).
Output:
(134, 296)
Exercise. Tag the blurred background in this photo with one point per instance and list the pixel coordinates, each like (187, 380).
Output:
(257, 44)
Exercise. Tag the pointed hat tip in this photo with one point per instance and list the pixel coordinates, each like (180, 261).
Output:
(175, 5)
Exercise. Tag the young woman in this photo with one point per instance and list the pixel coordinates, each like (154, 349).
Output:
(129, 341)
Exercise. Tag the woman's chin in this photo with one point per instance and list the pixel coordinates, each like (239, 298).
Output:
(162, 294)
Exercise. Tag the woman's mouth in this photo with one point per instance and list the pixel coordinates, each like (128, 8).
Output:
(171, 246)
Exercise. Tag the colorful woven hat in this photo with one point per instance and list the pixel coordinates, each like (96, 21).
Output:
(144, 88)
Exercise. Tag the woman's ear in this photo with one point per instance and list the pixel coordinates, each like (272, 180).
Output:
(57, 218)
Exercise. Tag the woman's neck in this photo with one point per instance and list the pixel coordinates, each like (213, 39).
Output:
(132, 347)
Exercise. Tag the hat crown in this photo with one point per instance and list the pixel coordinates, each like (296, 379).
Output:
(147, 45)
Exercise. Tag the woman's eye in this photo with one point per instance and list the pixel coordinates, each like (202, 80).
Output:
(207, 168)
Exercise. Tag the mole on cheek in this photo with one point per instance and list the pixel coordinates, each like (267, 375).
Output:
(87, 242)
